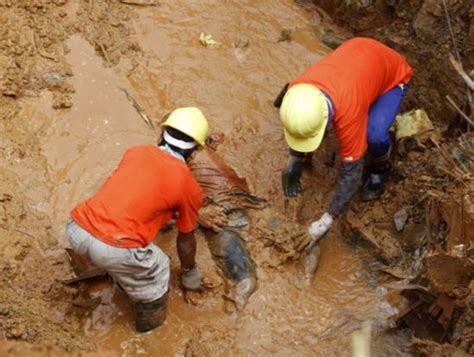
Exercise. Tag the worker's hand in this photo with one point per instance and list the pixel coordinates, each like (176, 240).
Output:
(291, 177)
(192, 279)
(318, 229)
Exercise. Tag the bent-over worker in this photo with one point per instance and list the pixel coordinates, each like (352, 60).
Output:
(116, 227)
(356, 89)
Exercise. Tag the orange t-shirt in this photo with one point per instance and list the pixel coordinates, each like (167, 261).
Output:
(143, 193)
(354, 76)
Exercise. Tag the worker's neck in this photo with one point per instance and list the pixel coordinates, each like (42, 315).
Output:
(170, 151)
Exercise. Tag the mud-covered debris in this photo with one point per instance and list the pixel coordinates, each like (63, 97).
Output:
(415, 122)
(53, 78)
(311, 262)
(207, 40)
(400, 219)
(431, 316)
(285, 35)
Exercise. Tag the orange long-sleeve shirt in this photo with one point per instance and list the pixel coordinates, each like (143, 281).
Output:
(354, 76)
(143, 193)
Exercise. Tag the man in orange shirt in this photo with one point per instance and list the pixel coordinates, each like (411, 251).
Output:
(116, 227)
(357, 89)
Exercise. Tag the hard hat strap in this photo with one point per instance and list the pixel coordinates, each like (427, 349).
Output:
(181, 144)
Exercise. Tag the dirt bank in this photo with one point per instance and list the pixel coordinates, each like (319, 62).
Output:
(433, 183)
(420, 31)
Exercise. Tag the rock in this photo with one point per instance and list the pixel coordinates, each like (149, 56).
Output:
(400, 219)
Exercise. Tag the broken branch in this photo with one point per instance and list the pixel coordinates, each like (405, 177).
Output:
(461, 113)
(458, 67)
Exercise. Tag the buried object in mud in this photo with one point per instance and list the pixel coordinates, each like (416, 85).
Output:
(311, 262)
(234, 261)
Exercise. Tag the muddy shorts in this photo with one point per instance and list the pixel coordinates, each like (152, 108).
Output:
(142, 272)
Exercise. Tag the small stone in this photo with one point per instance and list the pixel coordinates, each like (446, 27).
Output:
(400, 219)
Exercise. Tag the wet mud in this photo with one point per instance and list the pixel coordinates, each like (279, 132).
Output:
(65, 123)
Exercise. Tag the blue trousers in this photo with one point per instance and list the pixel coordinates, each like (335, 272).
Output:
(382, 114)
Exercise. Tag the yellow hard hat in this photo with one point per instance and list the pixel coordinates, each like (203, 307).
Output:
(190, 121)
(304, 115)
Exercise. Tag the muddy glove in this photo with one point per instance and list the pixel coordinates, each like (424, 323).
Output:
(318, 229)
(191, 279)
(291, 177)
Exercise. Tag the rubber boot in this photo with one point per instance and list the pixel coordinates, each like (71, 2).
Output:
(374, 187)
(151, 314)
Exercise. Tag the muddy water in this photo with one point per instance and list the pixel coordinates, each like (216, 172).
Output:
(234, 85)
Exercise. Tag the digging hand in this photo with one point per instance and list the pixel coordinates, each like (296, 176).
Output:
(191, 279)
(291, 178)
(318, 229)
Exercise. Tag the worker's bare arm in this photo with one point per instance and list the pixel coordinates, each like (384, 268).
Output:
(187, 250)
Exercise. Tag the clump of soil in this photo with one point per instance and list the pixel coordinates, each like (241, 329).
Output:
(107, 26)
(32, 50)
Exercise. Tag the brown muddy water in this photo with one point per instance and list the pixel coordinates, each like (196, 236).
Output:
(234, 85)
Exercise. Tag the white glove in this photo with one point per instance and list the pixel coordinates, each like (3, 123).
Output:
(191, 279)
(319, 228)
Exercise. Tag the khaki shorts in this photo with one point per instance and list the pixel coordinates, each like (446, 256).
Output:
(142, 272)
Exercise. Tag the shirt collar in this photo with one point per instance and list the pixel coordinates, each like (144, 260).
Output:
(170, 151)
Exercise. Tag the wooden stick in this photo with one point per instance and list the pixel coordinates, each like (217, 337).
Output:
(447, 157)
(18, 230)
(463, 115)
(458, 67)
(105, 54)
(139, 109)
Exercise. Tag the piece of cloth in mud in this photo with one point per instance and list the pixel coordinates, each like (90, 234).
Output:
(143, 273)
(221, 185)
(226, 193)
